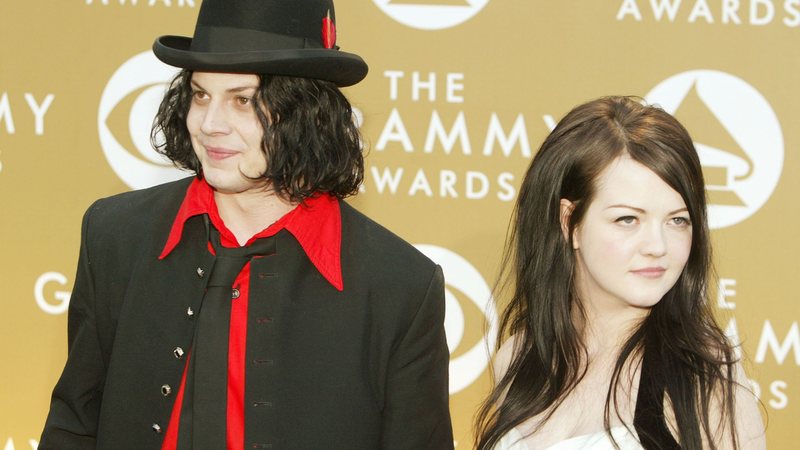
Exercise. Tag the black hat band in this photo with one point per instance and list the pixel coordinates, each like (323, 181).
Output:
(225, 39)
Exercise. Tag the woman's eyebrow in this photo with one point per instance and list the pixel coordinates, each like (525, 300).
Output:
(620, 205)
(642, 211)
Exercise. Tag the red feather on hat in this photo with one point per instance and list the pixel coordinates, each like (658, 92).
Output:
(328, 32)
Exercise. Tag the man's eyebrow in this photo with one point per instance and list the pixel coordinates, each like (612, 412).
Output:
(233, 90)
(240, 89)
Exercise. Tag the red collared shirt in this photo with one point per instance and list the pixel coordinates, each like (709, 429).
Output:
(316, 224)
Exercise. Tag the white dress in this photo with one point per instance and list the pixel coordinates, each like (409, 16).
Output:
(514, 440)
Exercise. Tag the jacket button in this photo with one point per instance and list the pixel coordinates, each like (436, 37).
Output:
(189, 311)
(166, 390)
(178, 352)
(266, 362)
(235, 293)
(157, 428)
(200, 272)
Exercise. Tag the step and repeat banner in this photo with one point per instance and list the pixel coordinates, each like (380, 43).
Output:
(459, 96)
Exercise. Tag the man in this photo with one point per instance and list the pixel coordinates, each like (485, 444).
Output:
(249, 307)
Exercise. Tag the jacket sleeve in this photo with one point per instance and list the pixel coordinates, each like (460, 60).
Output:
(417, 413)
(75, 403)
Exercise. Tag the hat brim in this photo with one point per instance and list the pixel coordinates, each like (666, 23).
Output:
(344, 69)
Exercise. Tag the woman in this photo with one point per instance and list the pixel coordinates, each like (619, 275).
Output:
(614, 344)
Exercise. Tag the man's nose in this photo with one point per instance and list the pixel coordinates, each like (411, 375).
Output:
(215, 119)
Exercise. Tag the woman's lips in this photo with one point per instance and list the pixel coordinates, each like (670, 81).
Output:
(650, 272)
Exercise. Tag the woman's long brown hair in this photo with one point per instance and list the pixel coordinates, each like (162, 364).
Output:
(550, 358)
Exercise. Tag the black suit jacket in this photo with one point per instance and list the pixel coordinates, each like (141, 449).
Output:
(359, 369)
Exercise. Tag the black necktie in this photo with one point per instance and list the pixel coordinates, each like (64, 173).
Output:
(203, 422)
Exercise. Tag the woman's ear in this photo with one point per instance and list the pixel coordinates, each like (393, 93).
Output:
(564, 215)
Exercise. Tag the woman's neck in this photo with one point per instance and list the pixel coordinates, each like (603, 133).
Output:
(605, 332)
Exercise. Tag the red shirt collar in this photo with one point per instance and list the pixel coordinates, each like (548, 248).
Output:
(316, 224)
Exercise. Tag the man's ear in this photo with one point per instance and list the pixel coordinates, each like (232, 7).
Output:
(564, 215)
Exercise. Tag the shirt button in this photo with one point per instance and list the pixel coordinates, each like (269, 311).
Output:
(178, 352)
(189, 311)
(235, 293)
(166, 390)
(157, 428)
(200, 272)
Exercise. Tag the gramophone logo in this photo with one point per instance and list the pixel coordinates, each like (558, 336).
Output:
(468, 305)
(737, 136)
(127, 108)
(431, 14)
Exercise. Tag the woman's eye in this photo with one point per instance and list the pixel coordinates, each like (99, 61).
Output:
(681, 221)
(244, 101)
(626, 220)
(199, 95)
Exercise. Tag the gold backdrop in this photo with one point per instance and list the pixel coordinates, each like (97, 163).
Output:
(459, 96)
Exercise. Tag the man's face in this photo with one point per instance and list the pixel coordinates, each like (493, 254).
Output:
(225, 131)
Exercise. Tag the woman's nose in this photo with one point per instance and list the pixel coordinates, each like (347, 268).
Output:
(654, 241)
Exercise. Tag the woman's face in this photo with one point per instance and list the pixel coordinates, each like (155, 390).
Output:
(225, 131)
(634, 239)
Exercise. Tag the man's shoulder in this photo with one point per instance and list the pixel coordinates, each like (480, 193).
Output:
(378, 261)
(140, 209)
(379, 242)
(149, 198)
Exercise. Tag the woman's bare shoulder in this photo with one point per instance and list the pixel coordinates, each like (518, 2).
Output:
(749, 424)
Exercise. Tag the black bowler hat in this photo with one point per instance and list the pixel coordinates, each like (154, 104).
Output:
(277, 37)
